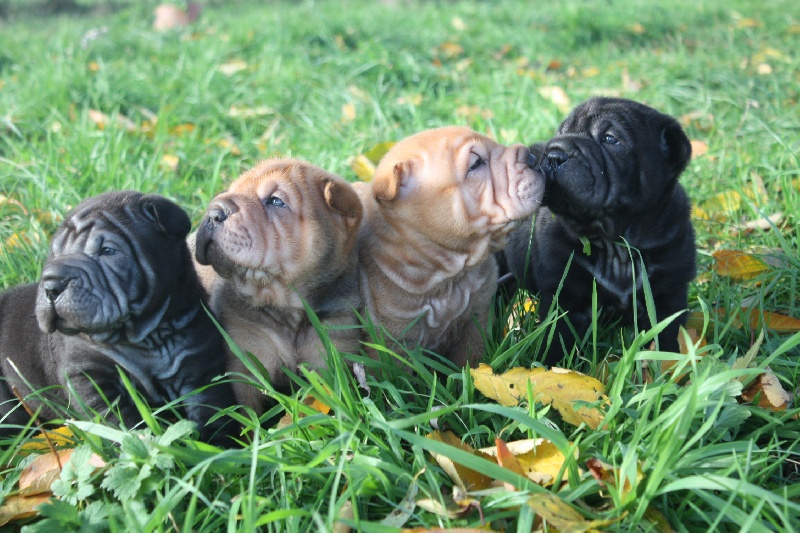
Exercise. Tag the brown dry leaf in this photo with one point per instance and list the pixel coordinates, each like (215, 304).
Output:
(464, 478)
(450, 49)
(38, 476)
(539, 459)
(508, 460)
(769, 391)
(450, 509)
(637, 28)
(557, 96)
(17, 507)
(562, 516)
(560, 387)
(346, 512)
(739, 266)
(180, 130)
(699, 148)
(772, 321)
(694, 338)
(229, 68)
(607, 475)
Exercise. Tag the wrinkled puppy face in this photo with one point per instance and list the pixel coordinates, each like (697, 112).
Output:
(458, 188)
(283, 223)
(612, 157)
(112, 264)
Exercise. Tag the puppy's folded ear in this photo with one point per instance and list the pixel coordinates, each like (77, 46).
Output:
(342, 198)
(387, 185)
(170, 218)
(675, 146)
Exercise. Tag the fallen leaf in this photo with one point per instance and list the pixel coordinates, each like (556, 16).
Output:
(538, 459)
(235, 111)
(458, 23)
(101, 120)
(699, 148)
(16, 507)
(564, 389)
(562, 516)
(348, 112)
(507, 460)
(363, 167)
(170, 161)
(463, 477)
(180, 130)
(761, 224)
(768, 390)
(557, 96)
(637, 28)
(608, 475)
(738, 266)
(748, 23)
(450, 49)
(229, 68)
(38, 476)
(471, 111)
(61, 436)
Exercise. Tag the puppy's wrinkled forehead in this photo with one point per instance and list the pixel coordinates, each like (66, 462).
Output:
(436, 144)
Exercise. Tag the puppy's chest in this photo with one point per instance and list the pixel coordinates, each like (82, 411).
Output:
(613, 267)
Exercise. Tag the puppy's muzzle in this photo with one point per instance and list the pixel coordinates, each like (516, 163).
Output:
(554, 158)
(54, 282)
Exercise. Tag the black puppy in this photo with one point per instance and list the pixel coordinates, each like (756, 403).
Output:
(118, 289)
(612, 202)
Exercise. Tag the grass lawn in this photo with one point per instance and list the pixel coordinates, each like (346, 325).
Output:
(102, 101)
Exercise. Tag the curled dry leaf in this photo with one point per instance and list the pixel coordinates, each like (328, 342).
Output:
(38, 476)
(608, 475)
(769, 392)
(16, 507)
(538, 459)
(566, 390)
(464, 478)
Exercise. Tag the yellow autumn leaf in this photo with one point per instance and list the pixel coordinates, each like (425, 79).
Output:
(363, 167)
(566, 390)
(738, 266)
(464, 478)
(182, 129)
(748, 23)
(450, 49)
(170, 161)
(637, 28)
(376, 153)
(560, 515)
(539, 459)
(309, 401)
(58, 437)
(726, 202)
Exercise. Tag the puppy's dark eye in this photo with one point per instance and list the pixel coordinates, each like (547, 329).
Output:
(274, 200)
(610, 139)
(107, 250)
(476, 164)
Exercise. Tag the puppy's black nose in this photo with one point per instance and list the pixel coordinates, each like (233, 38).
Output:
(555, 158)
(217, 215)
(53, 287)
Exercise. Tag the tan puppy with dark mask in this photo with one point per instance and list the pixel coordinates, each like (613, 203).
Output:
(440, 204)
(285, 232)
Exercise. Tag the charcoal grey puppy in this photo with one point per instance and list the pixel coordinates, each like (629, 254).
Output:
(118, 289)
(612, 202)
